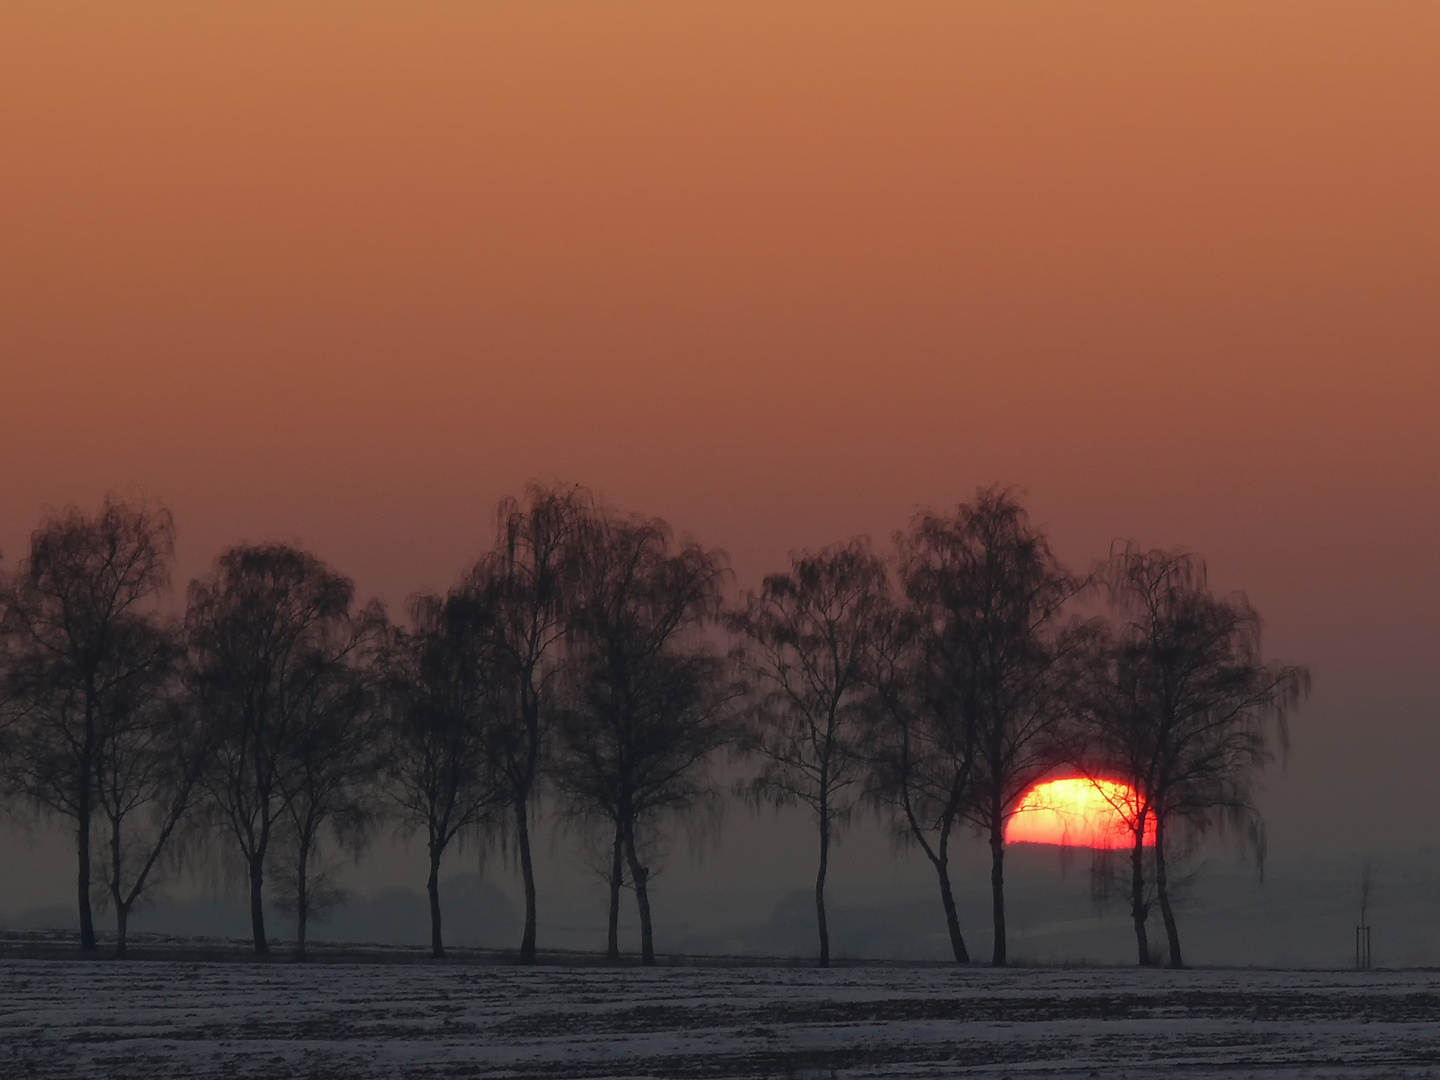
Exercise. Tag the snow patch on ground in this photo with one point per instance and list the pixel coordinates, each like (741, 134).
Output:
(236, 1019)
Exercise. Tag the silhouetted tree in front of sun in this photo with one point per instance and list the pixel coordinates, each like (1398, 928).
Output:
(1184, 709)
(808, 642)
(647, 702)
(989, 594)
(81, 650)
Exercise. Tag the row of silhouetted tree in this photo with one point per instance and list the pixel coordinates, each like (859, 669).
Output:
(593, 666)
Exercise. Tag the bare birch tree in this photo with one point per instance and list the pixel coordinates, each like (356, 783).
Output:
(921, 749)
(527, 581)
(989, 593)
(809, 637)
(151, 753)
(649, 699)
(72, 610)
(328, 782)
(266, 627)
(1186, 711)
(440, 694)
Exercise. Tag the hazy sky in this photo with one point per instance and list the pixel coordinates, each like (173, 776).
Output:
(347, 273)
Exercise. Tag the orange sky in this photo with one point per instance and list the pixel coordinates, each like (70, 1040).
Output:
(780, 272)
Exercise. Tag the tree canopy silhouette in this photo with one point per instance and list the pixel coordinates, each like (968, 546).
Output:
(270, 630)
(809, 641)
(988, 593)
(83, 653)
(648, 697)
(440, 702)
(1185, 710)
(528, 581)
(579, 674)
(920, 747)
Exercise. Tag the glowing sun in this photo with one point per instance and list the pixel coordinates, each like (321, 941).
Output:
(1077, 812)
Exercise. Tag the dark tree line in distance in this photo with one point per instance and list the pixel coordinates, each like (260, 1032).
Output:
(593, 666)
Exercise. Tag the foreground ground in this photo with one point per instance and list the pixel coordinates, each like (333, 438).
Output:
(180, 1018)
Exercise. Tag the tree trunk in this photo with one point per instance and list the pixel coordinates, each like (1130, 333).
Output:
(432, 886)
(527, 871)
(1162, 891)
(1138, 911)
(997, 886)
(639, 876)
(122, 910)
(952, 919)
(257, 906)
(122, 921)
(939, 857)
(822, 925)
(82, 879)
(617, 869)
(302, 902)
(82, 823)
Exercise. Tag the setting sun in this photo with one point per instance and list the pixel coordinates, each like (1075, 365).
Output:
(1077, 812)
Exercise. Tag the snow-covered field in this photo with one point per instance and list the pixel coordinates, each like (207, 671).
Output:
(63, 1018)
